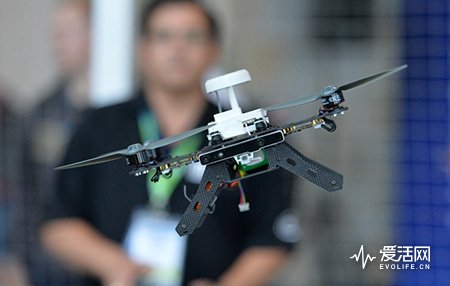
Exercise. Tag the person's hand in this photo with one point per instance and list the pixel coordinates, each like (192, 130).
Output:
(203, 282)
(126, 273)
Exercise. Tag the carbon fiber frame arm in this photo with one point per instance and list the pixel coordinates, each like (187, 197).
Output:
(213, 181)
(285, 156)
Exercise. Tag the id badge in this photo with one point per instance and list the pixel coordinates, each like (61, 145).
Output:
(152, 240)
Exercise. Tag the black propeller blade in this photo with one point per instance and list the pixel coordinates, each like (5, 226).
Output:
(355, 84)
(294, 102)
(370, 79)
(170, 140)
(133, 149)
(97, 160)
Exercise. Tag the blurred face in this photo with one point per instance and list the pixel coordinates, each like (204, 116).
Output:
(71, 38)
(178, 48)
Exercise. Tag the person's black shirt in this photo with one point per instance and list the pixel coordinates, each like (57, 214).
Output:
(105, 195)
(48, 130)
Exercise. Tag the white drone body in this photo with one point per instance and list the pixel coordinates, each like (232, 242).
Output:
(233, 122)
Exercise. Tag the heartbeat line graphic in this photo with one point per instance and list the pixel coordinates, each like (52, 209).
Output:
(364, 258)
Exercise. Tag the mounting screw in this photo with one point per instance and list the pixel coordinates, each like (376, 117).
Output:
(333, 182)
(278, 159)
(260, 142)
(183, 226)
(217, 177)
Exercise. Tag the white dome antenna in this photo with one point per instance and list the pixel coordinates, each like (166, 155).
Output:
(227, 82)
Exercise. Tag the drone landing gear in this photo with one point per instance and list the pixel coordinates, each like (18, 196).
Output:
(203, 202)
(329, 125)
(285, 156)
(218, 174)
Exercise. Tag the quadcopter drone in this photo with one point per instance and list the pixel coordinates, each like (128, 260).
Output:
(241, 145)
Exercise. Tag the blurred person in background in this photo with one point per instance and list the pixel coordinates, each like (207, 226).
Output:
(48, 130)
(11, 272)
(93, 206)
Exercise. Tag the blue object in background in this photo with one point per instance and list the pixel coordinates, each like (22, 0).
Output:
(422, 209)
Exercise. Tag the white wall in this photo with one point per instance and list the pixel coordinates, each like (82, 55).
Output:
(26, 64)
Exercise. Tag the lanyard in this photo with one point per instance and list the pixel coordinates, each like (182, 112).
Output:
(159, 193)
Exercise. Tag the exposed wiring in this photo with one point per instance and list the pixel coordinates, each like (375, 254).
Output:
(243, 199)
